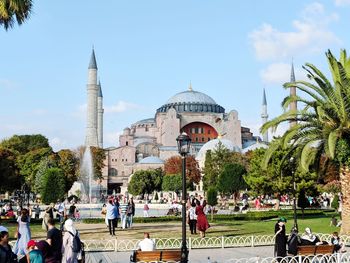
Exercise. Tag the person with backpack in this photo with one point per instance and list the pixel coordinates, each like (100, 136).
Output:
(71, 246)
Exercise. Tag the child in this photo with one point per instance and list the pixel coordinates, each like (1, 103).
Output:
(34, 255)
(338, 245)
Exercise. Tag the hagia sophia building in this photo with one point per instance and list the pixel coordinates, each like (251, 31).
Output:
(148, 143)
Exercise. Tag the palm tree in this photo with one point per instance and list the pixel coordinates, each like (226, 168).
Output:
(323, 122)
(14, 10)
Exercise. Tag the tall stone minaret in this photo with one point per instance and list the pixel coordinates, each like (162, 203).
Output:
(100, 116)
(92, 91)
(293, 92)
(264, 117)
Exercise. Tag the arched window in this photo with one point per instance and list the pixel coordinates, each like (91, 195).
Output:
(112, 172)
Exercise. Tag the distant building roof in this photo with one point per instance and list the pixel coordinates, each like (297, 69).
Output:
(255, 146)
(213, 144)
(152, 160)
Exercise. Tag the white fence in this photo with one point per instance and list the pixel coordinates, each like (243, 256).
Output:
(192, 242)
(331, 258)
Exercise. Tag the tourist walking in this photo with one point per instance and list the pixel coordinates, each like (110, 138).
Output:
(202, 222)
(130, 213)
(123, 207)
(54, 239)
(112, 216)
(6, 254)
(23, 234)
(47, 252)
(192, 217)
(280, 239)
(48, 214)
(71, 243)
(145, 210)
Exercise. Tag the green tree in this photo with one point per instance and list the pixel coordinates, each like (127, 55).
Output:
(21, 144)
(68, 162)
(322, 122)
(53, 185)
(172, 182)
(98, 156)
(9, 176)
(214, 164)
(12, 11)
(212, 198)
(231, 179)
(145, 182)
(44, 164)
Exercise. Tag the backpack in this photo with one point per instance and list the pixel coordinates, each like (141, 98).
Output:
(76, 245)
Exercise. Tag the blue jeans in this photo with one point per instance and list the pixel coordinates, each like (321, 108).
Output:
(129, 220)
(123, 220)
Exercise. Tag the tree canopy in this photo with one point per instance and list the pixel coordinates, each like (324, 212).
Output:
(12, 11)
(145, 182)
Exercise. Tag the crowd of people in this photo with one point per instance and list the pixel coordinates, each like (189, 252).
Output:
(288, 245)
(59, 246)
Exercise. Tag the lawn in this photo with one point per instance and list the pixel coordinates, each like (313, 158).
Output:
(173, 229)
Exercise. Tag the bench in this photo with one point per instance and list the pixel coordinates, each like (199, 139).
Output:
(156, 256)
(315, 250)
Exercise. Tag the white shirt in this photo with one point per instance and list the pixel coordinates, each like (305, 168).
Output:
(192, 213)
(147, 245)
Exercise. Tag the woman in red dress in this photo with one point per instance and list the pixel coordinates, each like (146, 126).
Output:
(202, 222)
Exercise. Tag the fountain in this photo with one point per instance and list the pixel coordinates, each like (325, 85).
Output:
(87, 174)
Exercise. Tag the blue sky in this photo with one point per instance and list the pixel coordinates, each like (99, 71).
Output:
(147, 51)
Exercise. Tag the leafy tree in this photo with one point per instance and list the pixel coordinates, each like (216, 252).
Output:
(12, 11)
(231, 179)
(173, 165)
(214, 164)
(322, 122)
(212, 198)
(335, 202)
(68, 162)
(53, 185)
(145, 182)
(29, 163)
(44, 164)
(9, 176)
(98, 156)
(172, 182)
(22, 144)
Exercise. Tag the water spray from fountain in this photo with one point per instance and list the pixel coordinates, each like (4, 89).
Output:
(87, 173)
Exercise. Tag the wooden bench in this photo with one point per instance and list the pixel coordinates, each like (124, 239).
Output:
(155, 256)
(315, 250)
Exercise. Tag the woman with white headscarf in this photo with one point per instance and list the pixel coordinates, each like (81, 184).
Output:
(69, 255)
(309, 238)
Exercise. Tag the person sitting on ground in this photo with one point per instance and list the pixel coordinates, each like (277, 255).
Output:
(309, 238)
(6, 254)
(34, 254)
(146, 244)
(338, 245)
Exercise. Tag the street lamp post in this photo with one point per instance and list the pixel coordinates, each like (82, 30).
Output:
(294, 194)
(183, 143)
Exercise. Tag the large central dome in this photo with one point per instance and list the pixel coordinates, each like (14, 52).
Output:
(191, 96)
(191, 101)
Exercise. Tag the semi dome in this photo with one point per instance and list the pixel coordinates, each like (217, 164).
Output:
(152, 160)
(213, 144)
(255, 146)
(191, 101)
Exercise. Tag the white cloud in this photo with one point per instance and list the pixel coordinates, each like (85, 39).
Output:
(57, 143)
(310, 34)
(279, 73)
(342, 2)
(121, 106)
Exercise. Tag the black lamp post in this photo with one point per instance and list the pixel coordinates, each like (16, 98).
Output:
(183, 144)
(291, 160)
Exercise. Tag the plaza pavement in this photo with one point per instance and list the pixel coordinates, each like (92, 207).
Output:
(218, 255)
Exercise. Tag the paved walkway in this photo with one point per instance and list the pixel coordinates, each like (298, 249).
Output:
(218, 255)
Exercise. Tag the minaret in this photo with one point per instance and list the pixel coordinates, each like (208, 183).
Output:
(264, 117)
(293, 92)
(91, 125)
(100, 116)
